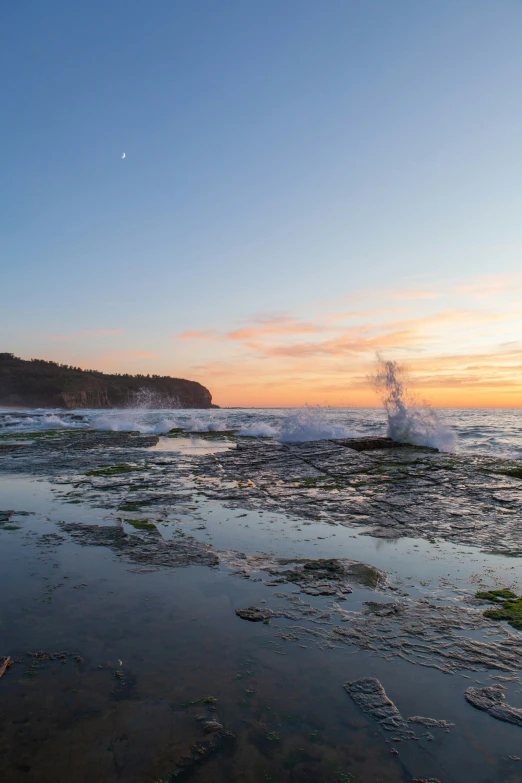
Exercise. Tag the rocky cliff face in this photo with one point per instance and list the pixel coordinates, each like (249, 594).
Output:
(42, 384)
(92, 398)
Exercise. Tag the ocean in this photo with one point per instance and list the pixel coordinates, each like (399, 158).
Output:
(494, 432)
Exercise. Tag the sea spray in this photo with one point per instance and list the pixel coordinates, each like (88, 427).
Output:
(408, 420)
(151, 399)
(310, 423)
(260, 429)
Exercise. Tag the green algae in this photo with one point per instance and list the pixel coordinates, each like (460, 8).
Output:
(41, 435)
(514, 473)
(115, 470)
(511, 609)
(133, 505)
(496, 596)
(141, 524)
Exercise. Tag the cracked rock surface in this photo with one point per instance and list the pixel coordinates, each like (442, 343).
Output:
(396, 492)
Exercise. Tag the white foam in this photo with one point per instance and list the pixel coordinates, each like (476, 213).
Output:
(198, 424)
(46, 421)
(311, 423)
(260, 430)
(125, 421)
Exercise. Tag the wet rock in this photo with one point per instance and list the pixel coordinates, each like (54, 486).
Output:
(372, 443)
(5, 662)
(371, 697)
(395, 492)
(219, 741)
(125, 685)
(430, 723)
(211, 726)
(383, 609)
(322, 590)
(327, 576)
(255, 614)
(421, 631)
(491, 699)
(149, 550)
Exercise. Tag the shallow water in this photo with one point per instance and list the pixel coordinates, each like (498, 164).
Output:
(153, 640)
(178, 640)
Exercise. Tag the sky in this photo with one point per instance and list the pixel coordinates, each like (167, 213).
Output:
(305, 185)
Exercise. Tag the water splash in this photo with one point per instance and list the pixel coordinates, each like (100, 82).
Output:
(408, 420)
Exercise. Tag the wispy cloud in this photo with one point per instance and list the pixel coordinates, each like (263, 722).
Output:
(456, 340)
(261, 327)
(275, 327)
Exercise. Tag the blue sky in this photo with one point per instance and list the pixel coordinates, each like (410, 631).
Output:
(279, 156)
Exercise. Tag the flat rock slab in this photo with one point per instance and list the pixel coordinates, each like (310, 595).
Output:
(371, 697)
(491, 699)
(373, 444)
(150, 550)
(393, 491)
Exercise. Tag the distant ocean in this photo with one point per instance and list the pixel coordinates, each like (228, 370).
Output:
(495, 432)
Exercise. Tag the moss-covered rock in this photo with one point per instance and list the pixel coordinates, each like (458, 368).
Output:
(510, 609)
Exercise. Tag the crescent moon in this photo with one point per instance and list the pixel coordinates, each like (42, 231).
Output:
(123, 156)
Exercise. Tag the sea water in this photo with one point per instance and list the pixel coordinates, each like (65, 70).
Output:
(493, 431)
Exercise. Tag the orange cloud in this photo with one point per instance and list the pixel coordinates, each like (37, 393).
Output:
(262, 328)
(199, 334)
(463, 348)
(275, 327)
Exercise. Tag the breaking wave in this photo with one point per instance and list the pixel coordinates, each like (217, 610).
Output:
(408, 420)
(38, 420)
(259, 430)
(310, 423)
(131, 423)
(479, 431)
(297, 426)
(129, 420)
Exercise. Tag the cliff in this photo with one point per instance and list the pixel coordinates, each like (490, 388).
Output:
(41, 384)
